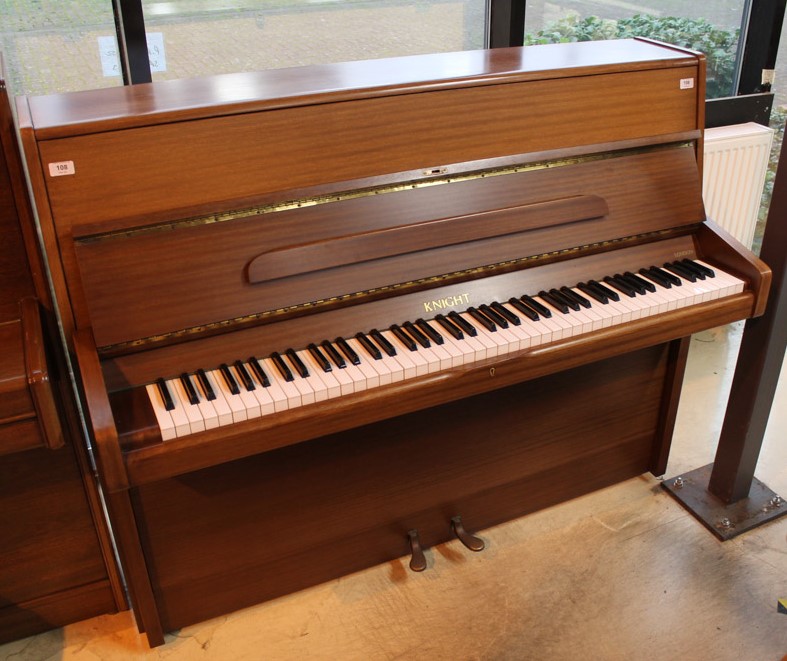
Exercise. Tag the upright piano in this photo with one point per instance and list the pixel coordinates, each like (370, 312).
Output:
(326, 317)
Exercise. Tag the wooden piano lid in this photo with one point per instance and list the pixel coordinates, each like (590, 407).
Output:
(61, 115)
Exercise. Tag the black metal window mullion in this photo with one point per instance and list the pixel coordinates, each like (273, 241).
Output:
(506, 23)
(761, 42)
(132, 43)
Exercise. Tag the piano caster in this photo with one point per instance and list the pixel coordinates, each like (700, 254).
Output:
(417, 559)
(470, 541)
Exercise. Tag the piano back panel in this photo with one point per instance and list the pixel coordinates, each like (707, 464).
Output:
(280, 521)
(202, 274)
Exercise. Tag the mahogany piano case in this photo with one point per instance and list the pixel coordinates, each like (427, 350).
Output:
(56, 560)
(325, 317)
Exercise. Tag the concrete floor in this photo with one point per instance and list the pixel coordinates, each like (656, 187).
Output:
(624, 573)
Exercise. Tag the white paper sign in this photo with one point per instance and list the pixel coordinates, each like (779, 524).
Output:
(110, 56)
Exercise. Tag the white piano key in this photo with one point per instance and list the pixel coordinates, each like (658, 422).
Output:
(233, 401)
(330, 385)
(315, 383)
(292, 394)
(420, 363)
(406, 363)
(482, 336)
(247, 398)
(383, 371)
(179, 417)
(219, 403)
(271, 397)
(163, 418)
(193, 414)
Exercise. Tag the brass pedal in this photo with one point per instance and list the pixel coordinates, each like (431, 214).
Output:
(470, 541)
(417, 559)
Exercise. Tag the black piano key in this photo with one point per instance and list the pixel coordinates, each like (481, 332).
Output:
(244, 376)
(429, 331)
(463, 324)
(535, 305)
(232, 384)
(282, 366)
(404, 338)
(452, 329)
(620, 286)
(482, 319)
(368, 346)
(206, 387)
(706, 270)
(347, 350)
(188, 386)
(656, 277)
(680, 270)
(609, 293)
(416, 334)
(504, 312)
(555, 303)
(493, 315)
(638, 288)
(530, 313)
(262, 377)
(322, 361)
(334, 355)
(596, 294)
(693, 268)
(165, 394)
(647, 284)
(570, 293)
(297, 363)
(383, 342)
(675, 280)
(560, 296)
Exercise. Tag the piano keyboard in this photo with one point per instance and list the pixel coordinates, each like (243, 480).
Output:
(247, 389)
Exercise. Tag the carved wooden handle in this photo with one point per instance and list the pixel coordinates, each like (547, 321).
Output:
(38, 375)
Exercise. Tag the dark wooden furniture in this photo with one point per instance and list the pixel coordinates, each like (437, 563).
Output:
(56, 559)
(194, 223)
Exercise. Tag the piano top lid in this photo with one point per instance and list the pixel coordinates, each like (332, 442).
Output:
(76, 113)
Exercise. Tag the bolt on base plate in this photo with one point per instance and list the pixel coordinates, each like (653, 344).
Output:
(725, 521)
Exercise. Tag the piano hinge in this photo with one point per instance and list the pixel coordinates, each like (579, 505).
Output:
(269, 316)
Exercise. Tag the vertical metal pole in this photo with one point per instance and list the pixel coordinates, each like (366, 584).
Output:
(132, 43)
(506, 23)
(759, 365)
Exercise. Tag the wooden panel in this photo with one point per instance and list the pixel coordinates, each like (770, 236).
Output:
(48, 530)
(210, 163)
(277, 522)
(645, 192)
(54, 610)
(15, 399)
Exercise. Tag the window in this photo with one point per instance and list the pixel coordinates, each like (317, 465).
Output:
(58, 45)
(189, 38)
(712, 27)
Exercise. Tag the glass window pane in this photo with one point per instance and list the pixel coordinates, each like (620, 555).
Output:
(188, 38)
(58, 45)
(712, 27)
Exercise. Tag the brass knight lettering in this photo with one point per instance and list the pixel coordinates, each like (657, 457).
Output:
(447, 302)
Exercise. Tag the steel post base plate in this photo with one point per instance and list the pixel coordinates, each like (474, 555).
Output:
(725, 520)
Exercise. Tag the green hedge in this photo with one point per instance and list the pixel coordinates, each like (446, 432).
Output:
(719, 46)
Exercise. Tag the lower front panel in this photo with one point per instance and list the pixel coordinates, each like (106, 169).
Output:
(236, 534)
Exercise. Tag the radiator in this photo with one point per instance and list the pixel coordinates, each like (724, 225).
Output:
(736, 161)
